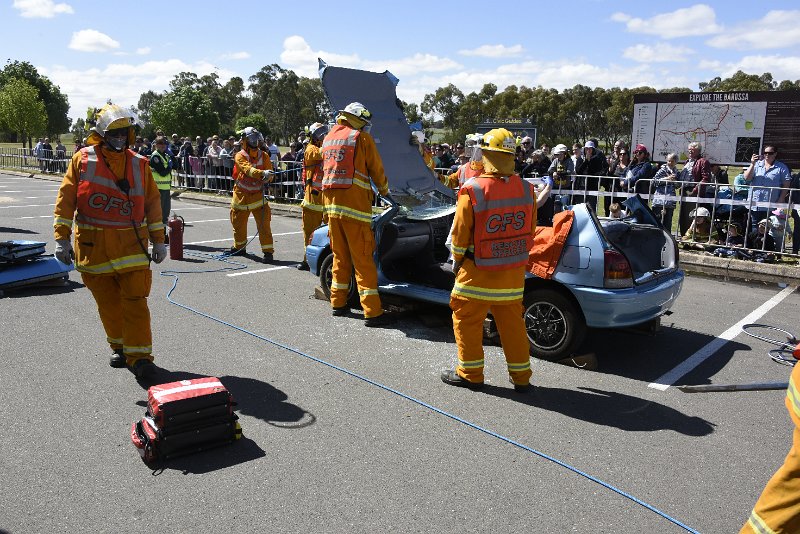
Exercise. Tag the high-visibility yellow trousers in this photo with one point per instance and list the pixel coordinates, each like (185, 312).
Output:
(263, 217)
(778, 508)
(122, 303)
(353, 245)
(468, 316)
(311, 221)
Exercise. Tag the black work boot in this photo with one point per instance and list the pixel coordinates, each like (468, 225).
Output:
(451, 377)
(233, 251)
(522, 388)
(303, 266)
(379, 320)
(341, 312)
(143, 368)
(117, 359)
(267, 257)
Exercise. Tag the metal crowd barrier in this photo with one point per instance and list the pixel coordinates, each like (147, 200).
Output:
(725, 203)
(23, 159)
(192, 175)
(287, 186)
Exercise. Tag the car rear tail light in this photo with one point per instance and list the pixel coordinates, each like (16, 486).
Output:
(617, 270)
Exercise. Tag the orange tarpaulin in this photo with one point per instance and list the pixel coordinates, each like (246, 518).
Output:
(548, 243)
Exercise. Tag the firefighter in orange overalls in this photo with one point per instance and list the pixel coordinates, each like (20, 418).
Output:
(252, 168)
(312, 178)
(470, 168)
(118, 208)
(778, 508)
(492, 233)
(350, 160)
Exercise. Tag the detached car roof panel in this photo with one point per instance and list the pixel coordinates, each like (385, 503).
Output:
(405, 168)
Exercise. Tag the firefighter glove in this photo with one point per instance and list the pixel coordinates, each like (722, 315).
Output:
(64, 251)
(159, 252)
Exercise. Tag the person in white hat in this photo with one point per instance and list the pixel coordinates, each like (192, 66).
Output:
(701, 234)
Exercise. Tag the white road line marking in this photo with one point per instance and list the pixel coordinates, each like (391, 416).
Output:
(254, 271)
(231, 239)
(29, 206)
(36, 217)
(207, 220)
(670, 377)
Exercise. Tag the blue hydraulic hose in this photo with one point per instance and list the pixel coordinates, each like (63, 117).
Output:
(174, 275)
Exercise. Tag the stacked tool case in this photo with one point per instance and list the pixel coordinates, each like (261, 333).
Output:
(24, 262)
(185, 417)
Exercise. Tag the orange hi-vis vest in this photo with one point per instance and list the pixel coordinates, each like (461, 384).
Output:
(338, 159)
(316, 176)
(246, 183)
(503, 221)
(101, 203)
(465, 172)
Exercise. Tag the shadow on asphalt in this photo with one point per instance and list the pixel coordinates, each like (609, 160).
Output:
(607, 408)
(42, 289)
(646, 357)
(253, 397)
(240, 451)
(7, 230)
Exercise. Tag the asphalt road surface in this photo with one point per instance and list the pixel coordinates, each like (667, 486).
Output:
(333, 443)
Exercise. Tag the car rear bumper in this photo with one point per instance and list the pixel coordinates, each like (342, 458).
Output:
(613, 308)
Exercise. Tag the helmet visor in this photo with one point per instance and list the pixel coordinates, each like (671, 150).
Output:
(116, 117)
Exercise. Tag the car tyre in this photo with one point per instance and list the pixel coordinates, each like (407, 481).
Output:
(326, 278)
(554, 325)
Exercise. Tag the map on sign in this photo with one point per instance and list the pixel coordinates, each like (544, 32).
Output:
(730, 127)
(728, 132)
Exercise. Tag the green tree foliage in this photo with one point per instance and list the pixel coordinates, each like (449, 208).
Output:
(256, 120)
(282, 108)
(56, 103)
(261, 84)
(78, 130)
(22, 110)
(445, 103)
(143, 110)
(313, 104)
(185, 111)
(740, 82)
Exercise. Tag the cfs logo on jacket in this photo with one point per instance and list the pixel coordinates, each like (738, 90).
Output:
(101, 201)
(498, 223)
(334, 154)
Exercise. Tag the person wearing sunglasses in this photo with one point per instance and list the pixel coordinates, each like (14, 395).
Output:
(773, 176)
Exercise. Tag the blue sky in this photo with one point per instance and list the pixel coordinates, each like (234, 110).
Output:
(103, 50)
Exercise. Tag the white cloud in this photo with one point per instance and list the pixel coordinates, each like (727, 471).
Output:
(781, 67)
(234, 56)
(298, 56)
(143, 51)
(493, 51)
(657, 53)
(123, 83)
(752, 35)
(92, 41)
(41, 9)
(699, 19)
(560, 74)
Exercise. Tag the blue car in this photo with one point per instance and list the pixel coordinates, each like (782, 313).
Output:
(612, 273)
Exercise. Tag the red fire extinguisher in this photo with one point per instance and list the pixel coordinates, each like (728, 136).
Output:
(176, 225)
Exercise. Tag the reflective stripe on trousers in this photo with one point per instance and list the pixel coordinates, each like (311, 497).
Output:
(263, 217)
(122, 304)
(353, 246)
(468, 316)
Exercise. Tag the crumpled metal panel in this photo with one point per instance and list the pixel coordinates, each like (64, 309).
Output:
(402, 162)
